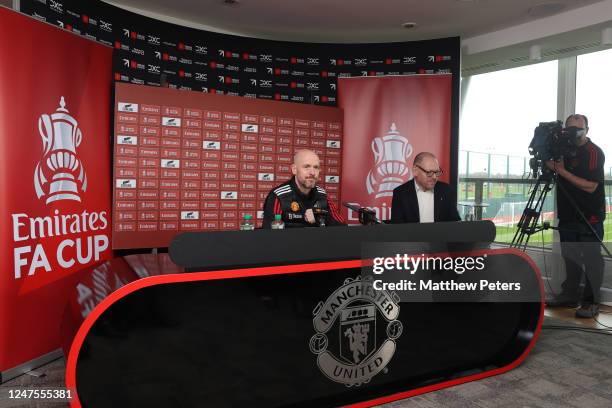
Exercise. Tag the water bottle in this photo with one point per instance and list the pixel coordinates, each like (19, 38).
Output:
(278, 222)
(247, 223)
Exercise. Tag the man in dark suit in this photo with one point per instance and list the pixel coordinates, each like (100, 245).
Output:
(424, 198)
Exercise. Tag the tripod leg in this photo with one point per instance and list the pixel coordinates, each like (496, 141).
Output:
(531, 214)
(523, 225)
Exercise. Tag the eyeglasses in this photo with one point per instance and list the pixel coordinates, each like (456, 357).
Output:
(430, 173)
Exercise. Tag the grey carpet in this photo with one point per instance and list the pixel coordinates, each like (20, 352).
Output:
(565, 369)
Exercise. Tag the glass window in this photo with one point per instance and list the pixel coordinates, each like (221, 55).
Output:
(500, 112)
(502, 109)
(593, 92)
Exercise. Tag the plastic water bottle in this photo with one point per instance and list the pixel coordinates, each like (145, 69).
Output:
(278, 222)
(247, 223)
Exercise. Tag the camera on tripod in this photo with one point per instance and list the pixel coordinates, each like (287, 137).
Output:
(551, 141)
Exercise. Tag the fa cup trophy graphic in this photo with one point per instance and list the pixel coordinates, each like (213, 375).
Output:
(391, 153)
(60, 174)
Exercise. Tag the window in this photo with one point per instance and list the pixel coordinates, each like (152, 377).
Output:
(500, 112)
(593, 93)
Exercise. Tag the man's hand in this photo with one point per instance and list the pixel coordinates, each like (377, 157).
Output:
(583, 184)
(309, 215)
(556, 166)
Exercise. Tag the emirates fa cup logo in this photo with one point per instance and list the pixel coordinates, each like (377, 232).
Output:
(60, 174)
(391, 153)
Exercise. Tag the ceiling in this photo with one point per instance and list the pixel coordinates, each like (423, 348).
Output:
(496, 34)
(352, 20)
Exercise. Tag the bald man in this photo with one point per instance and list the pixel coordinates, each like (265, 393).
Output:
(424, 198)
(299, 201)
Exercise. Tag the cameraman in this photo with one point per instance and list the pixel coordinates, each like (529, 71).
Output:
(582, 178)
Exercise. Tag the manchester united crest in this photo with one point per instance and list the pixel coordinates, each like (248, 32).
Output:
(356, 330)
(295, 207)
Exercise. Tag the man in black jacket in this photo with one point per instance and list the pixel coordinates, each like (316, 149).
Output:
(424, 198)
(299, 201)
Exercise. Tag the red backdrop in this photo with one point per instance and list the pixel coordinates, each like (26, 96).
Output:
(189, 161)
(387, 121)
(55, 169)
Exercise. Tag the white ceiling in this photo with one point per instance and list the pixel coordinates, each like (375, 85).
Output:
(492, 31)
(350, 20)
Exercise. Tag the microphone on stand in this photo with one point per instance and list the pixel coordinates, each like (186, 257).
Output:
(366, 216)
(319, 214)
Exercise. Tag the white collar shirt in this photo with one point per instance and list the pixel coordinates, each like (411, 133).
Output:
(426, 203)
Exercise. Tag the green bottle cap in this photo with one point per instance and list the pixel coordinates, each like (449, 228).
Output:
(247, 216)
(277, 217)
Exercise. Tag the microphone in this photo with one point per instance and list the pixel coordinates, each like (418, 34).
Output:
(319, 214)
(366, 215)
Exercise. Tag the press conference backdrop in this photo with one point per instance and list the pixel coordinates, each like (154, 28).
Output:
(225, 64)
(188, 161)
(390, 120)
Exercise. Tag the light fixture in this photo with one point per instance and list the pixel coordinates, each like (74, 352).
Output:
(606, 36)
(535, 52)
(409, 24)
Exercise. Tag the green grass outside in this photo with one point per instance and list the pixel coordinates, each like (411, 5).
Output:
(519, 192)
(493, 190)
(505, 234)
